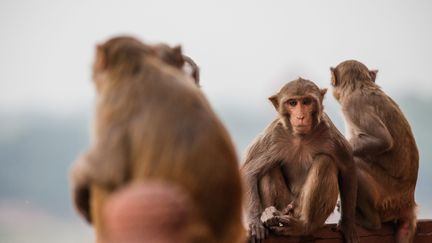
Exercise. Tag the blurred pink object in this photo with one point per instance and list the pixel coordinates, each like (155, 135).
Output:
(148, 212)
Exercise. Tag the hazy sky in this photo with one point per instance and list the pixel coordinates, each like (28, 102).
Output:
(246, 49)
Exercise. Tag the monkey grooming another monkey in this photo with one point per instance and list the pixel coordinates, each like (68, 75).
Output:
(384, 150)
(153, 123)
(294, 169)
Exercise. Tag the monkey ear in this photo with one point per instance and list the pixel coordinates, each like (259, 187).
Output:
(274, 100)
(178, 50)
(100, 62)
(334, 81)
(373, 74)
(323, 92)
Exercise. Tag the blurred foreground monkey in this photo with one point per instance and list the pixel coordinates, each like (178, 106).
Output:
(384, 150)
(153, 122)
(294, 169)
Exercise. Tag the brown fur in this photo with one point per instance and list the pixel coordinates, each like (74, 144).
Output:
(384, 149)
(175, 57)
(152, 122)
(292, 180)
(172, 56)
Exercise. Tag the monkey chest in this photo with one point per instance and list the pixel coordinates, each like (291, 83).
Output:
(295, 169)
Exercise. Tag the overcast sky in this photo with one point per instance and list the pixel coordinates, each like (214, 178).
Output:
(246, 49)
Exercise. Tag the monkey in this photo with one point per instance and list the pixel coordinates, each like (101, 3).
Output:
(384, 150)
(295, 169)
(152, 122)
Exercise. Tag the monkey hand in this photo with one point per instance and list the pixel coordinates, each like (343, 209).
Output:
(287, 225)
(81, 188)
(81, 197)
(257, 232)
(289, 209)
(268, 217)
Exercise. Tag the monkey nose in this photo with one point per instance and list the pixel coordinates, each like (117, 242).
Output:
(300, 117)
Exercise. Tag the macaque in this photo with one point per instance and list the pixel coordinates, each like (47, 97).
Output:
(152, 122)
(384, 149)
(296, 168)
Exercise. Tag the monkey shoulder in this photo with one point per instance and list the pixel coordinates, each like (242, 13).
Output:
(167, 78)
(266, 147)
(261, 142)
(354, 104)
(370, 101)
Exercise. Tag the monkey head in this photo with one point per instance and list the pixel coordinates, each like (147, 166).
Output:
(118, 58)
(299, 104)
(349, 76)
(122, 56)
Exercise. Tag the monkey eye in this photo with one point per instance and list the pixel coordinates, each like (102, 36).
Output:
(307, 101)
(292, 102)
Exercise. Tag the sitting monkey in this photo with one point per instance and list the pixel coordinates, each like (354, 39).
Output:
(153, 123)
(294, 169)
(384, 149)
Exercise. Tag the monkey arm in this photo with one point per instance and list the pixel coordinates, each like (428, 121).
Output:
(104, 164)
(252, 171)
(108, 158)
(80, 183)
(254, 207)
(370, 134)
(258, 162)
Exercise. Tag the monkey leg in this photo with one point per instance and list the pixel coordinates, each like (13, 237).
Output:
(367, 214)
(317, 200)
(274, 190)
(407, 224)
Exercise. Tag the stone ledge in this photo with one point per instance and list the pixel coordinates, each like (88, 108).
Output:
(385, 235)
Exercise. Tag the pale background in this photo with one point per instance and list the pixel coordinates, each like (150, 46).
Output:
(246, 51)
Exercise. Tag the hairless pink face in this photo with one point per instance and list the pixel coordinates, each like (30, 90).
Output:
(300, 110)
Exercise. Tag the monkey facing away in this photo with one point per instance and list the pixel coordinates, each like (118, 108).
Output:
(152, 122)
(384, 149)
(294, 169)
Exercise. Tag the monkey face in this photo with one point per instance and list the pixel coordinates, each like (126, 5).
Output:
(299, 104)
(300, 110)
